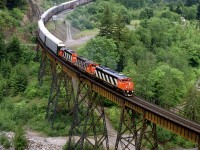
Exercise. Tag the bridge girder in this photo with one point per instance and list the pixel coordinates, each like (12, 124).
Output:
(155, 118)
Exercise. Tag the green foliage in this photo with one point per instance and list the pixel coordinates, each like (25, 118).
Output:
(108, 103)
(5, 68)
(147, 13)
(114, 116)
(101, 50)
(192, 103)
(85, 20)
(132, 3)
(96, 15)
(3, 88)
(14, 51)
(170, 15)
(198, 12)
(164, 135)
(18, 114)
(7, 22)
(4, 141)
(20, 141)
(184, 142)
(6, 121)
(169, 84)
(2, 47)
(15, 3)
(107, 21)
(3, 3)
(17, 14)
(191, 2)
(190, 12)
(19, 79)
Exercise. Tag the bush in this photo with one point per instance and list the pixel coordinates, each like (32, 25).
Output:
(6, 121)
(19, 79)
(4, 141)
(32, 90)
(163, 135)
(20, 141)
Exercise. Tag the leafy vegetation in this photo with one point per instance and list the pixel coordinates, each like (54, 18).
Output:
(160, 52)
(20, 141)
(4, 141)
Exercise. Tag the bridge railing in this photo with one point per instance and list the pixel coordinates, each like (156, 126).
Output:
(178, 111)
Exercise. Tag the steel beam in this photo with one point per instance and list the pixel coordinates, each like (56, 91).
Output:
(43, 68)
(61, 97)
(88, 124)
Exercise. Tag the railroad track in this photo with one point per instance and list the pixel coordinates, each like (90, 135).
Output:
(155, 114)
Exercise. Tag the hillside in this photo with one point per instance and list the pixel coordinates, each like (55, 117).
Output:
(156, 43)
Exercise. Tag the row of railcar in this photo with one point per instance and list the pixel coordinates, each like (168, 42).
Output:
(114, 79)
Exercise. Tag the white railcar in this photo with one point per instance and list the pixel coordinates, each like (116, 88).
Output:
(48, 14)
(53, 43)
(43, 32)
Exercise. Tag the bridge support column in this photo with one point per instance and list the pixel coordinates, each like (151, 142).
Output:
(148, 136)
(127, 133)
(88, 130)
(135, 132)
(43, 68)
(61, 98)
(199, 143)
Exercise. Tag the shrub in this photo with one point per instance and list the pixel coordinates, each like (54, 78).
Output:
(4, 141)
(20, 141)
(19, 79)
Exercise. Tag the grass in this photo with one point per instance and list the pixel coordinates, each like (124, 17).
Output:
(84, 33)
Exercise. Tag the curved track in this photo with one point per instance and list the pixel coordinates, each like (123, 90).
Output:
(151, 112)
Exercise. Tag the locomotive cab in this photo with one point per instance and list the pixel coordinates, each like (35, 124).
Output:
(68, 55)
(91, 67)
(126, 85)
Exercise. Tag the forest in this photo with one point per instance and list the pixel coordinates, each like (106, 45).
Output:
(155, 42)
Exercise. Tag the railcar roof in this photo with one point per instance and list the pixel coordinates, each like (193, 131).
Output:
(47, 11)
(54, 39)
(112, 72)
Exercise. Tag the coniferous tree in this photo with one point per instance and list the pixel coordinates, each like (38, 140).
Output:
(3, 3)
(198, 12)
(192, 103)
(2, 47)
(14, 51)
(106, 27)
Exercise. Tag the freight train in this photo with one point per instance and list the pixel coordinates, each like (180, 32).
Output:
(112, 78)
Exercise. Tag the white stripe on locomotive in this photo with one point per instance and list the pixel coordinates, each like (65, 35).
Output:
(111, 79)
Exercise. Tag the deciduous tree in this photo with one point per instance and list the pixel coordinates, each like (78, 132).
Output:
(101, 50)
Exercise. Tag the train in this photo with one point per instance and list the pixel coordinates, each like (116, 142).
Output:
(118, 81)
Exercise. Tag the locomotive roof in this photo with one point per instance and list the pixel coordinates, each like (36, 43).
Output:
(112, 72)
(71, 51)
(85, 60)
(68, 50)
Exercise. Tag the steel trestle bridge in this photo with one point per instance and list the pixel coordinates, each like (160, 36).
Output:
(82, 97)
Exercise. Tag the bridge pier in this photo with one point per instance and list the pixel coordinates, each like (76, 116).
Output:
(148, 136)
(61, 97)
(89, 126)
(127, 133)
(43, 68)
(135, 131)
